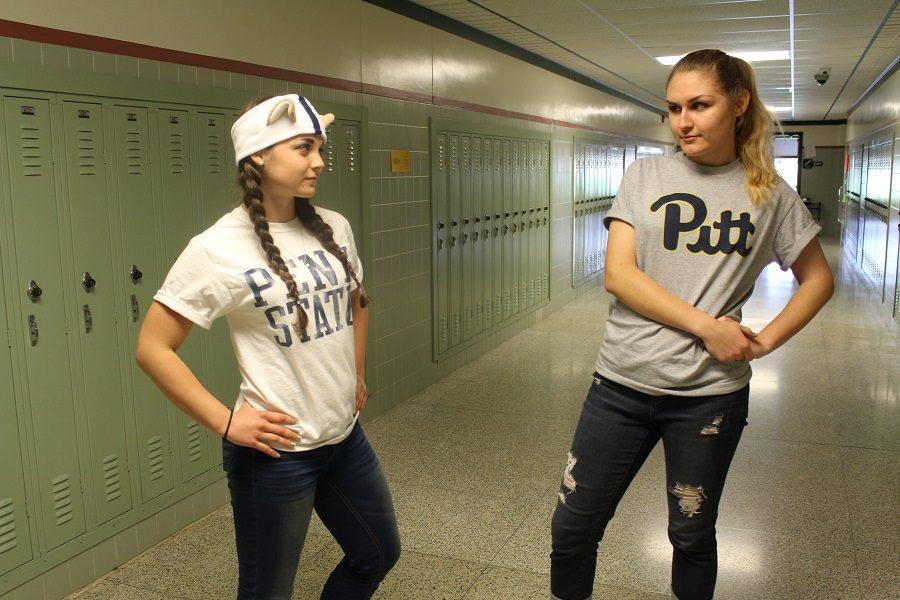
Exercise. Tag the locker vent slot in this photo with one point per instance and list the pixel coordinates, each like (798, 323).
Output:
(112, 485)
(155, 457)
(62, 500)
(213, 154)
(87, 152)
(194, 443)
(176, 153)
(134, 152)
(30, 151)
(8, 532)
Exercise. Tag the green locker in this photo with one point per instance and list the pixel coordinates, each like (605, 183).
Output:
(475, 238)
(94, 309)
(487, 238)
(141, 274)
(528, 223)
(39, 287)
(497, 230)
(454, 281)
(217, 197)
(578, 235)
(15, 538)
(522, 246)
(181, 223)
(348, 137)
(546, 222)
(465, 239)
(506, 229)
(440, 243)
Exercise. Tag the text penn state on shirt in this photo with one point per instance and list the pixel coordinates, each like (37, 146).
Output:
(329, 310)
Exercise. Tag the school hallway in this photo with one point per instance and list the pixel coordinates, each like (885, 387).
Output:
(475, 461)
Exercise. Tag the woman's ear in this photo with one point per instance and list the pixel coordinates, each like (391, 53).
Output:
(743, 102)
(257, 159)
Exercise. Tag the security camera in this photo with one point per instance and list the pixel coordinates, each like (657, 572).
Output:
(822, 76)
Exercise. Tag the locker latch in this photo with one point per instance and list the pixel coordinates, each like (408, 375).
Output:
(88, 282)
(88, 318)
(135, 274)
(135, 308)
(34, 291)
(33, 329)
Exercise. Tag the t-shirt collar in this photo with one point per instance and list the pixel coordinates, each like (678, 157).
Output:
(717, 170)
(244, 217)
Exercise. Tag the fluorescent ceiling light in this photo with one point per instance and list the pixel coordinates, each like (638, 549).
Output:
(779, 108)
(748, 56)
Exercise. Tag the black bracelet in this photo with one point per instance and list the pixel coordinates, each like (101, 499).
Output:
(227, 427)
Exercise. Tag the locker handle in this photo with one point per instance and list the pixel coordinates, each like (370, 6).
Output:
(465, 222)
(453, 223)
(34, 291)
(465, 238)
(496, 231)
(88, 282)
(477, 219)
(33, 329)
(475, 237)
(452, 241)
(514, 227)
(88, 318)
(440, 225)
(135, 309)
(135, 274)
(505, 229)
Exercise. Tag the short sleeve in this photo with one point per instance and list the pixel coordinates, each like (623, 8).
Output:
(623, 206)
(796, 230)
(353, 255)
(195, 287)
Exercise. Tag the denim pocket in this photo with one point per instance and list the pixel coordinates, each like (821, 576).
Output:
(227, 455)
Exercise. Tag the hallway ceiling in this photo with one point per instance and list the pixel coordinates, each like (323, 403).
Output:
(616, 41)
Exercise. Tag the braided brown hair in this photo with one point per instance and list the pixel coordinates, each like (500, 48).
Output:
(250, 179)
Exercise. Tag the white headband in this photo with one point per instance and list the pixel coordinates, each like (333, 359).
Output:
(275, 120)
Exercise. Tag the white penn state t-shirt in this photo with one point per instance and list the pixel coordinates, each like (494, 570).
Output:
(223, 272)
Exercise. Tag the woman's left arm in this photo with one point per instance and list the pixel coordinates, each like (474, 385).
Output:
(360, 330)
(816, 288)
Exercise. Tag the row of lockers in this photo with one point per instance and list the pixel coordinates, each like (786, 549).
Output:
(598, 172)
(491, 226)
(867, 210)
(869, 236)
(99, 197)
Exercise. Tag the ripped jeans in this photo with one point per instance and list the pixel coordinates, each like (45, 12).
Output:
(616, 432)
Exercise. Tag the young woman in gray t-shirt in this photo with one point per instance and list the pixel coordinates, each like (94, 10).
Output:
(688, 237)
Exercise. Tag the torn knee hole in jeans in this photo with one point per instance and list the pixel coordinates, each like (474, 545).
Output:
(568, 479)
(713, 428)
(689, 498)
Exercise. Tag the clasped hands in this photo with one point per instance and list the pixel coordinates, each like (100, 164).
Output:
(728, 341)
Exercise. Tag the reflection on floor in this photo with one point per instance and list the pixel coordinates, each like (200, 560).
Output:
(810, 509)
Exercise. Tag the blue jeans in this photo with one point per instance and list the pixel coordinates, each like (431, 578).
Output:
(273, 500)
(616, 432)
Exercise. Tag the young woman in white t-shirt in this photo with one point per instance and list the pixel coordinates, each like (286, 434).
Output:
(286, 275)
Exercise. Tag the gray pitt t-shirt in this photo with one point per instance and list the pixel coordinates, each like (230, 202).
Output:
(699, 236)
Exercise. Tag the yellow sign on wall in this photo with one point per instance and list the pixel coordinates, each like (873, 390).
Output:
(399, 161)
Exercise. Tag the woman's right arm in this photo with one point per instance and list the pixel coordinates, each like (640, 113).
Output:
(724, 338)
(162, 333)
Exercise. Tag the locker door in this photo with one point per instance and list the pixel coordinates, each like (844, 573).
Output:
(15, 538)
(180, 219)
(506, 229)
(546, 221)
(475, 239)
(440, 243)
(350, 206)
(514, 252)
(532, 230)
(465, 239)
(222, 375)
(94, 310)
(486, 239)
(522, 245)
(454, 283)
(576, 203)
(141, 274)
(497, 229)
(42, 308)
